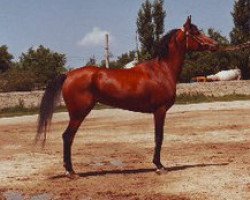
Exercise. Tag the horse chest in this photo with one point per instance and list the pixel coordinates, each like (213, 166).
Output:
(163, 94)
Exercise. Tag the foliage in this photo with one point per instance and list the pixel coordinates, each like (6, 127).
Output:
(150, 26)
(145, 28)
(91, 61)
(17, 79)
(5, 59)
(222, 40)
(241, 18)
(206, 63)
(43, 64)
(33, 70)
(158, 15)
(125, 58)
(241, 34)
(121, 61)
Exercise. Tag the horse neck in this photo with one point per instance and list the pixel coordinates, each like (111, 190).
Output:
(174, 60)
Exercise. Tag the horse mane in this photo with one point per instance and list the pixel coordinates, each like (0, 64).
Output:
(162, 48)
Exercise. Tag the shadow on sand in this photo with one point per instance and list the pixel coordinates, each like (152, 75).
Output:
(137, 171)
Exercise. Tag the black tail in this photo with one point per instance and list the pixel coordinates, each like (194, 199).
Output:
(50, 98)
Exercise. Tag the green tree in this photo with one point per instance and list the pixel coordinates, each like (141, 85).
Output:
(5, 59)
(17, 79)
(125, 58)
(91, 61)
(222, 58)
(241, 34)
(145, 28)
(158, 14)
(43, 63)
(241, 18)
(198, 64)
(121, 61)
(150, 27)
(216, 35)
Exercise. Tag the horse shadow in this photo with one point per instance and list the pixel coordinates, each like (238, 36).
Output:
(137, 171)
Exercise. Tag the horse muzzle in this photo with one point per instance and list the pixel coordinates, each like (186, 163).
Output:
(211, 47)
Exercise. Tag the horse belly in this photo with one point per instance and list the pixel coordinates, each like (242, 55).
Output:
(146, 101)
(125, 100)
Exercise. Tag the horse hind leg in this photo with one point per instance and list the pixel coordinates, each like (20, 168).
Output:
(76, 119)
(68, 137)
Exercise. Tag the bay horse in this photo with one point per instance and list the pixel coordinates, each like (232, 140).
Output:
(149, 87)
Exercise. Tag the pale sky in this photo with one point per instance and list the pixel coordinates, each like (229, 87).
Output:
(77, 27)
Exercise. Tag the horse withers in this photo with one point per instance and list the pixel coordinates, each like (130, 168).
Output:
(149, 87)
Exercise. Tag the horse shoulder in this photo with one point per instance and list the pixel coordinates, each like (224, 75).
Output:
(163, 88)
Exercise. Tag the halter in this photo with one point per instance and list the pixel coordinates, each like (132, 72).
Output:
(187, 34)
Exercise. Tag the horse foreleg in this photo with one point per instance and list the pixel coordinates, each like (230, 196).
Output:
(68, 137)
(159, 119)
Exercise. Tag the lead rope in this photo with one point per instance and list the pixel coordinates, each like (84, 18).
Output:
(245, 45)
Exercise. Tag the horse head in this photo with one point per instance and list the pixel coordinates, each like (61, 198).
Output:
(194, 39)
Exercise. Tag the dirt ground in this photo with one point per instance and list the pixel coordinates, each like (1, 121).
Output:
(206, 151)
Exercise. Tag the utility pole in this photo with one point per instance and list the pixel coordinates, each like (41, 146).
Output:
(107, 50)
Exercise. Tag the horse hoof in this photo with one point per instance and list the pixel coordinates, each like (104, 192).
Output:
(159, 171)
(72, 175)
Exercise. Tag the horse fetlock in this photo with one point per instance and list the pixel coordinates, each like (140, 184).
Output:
(68, 167)
(158, 164)
(161, 170)
(71, 175)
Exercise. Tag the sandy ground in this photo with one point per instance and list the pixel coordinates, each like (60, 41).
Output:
(206, 150)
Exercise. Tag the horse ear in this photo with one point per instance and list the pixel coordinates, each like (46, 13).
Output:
(187, 24)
